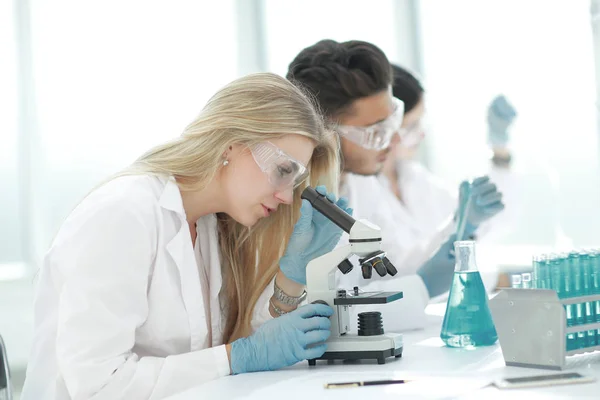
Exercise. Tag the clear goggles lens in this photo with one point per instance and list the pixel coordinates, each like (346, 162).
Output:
(282, 170)
(377, 136)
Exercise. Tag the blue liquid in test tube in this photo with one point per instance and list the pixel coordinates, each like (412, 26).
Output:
(595, 282)
(569, 291)
(580, 317)
(589, 307)
(541, 272)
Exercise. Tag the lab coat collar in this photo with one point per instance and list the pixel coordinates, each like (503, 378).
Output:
(170, 199)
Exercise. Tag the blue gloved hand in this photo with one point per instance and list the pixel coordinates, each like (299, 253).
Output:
(284, 341)
(313, 236)
(438, 271)
(486, 201)
(501, 115)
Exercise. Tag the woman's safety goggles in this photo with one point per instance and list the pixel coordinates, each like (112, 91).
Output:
(377, 136)
(281, 169)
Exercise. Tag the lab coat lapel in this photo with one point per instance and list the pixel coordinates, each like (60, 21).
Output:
(210, 256)
(181, 251)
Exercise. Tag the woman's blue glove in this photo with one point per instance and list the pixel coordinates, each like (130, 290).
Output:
(486, 201)
(438, 271)
(501, 115)
(284, 341)
(313, 236)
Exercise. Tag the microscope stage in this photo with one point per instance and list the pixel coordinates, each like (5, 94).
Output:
(368, 298)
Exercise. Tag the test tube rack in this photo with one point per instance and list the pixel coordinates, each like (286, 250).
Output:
(532, 327)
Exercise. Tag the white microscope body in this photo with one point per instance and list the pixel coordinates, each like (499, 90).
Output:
(365, 241)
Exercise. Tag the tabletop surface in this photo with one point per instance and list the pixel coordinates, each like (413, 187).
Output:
(438, 372)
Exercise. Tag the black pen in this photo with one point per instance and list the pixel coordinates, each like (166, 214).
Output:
(364, 383)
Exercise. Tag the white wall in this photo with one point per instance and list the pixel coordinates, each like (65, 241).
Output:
(294, 25)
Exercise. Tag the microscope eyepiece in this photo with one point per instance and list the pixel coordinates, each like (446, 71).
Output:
(330, 210)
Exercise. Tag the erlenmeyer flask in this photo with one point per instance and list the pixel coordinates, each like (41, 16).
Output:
(468, 322)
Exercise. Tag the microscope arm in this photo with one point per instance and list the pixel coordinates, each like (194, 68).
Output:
(320, 272)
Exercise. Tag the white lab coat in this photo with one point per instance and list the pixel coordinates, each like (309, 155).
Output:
(125, 308)
(414, 229)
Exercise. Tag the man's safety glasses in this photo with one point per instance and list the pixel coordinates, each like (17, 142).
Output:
(376, 136)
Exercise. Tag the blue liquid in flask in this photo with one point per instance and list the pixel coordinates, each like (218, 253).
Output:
(468, 321)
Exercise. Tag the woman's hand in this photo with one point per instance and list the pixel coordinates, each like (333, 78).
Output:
(283, 341)
(313, 236)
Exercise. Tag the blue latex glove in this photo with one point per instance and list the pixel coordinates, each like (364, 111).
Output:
(486, 201)
(284, 341)
(438, 271)
(501, 115)
(313, 236)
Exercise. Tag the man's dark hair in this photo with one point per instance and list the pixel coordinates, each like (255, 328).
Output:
(337, 74)
(406, 87)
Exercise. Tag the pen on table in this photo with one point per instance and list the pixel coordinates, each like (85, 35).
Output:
(364, 383)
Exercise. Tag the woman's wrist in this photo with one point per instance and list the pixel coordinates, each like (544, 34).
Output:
(290, 288)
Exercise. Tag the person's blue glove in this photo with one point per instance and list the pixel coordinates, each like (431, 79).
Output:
(438, 271)
(284, 341)
(313, 236)
(486, 201)
(501, 115)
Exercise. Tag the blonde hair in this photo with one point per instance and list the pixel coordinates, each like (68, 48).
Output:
(249, 110)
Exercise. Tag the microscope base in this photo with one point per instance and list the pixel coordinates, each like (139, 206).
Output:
(380, 356)
(352, 347)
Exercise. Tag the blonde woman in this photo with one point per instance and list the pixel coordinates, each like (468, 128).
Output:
(189, 266)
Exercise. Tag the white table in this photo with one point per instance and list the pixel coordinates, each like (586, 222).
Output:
(438, 371)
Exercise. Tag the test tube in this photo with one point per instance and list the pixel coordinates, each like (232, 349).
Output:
(539, 272)
(526, 280)
(569, 288)
(578, 279)
(556, 273)
(516, 282)
(564, 270)
(535, 264)
(595, 282)
(588, 307)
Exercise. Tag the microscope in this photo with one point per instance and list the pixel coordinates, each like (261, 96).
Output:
(371, 342)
